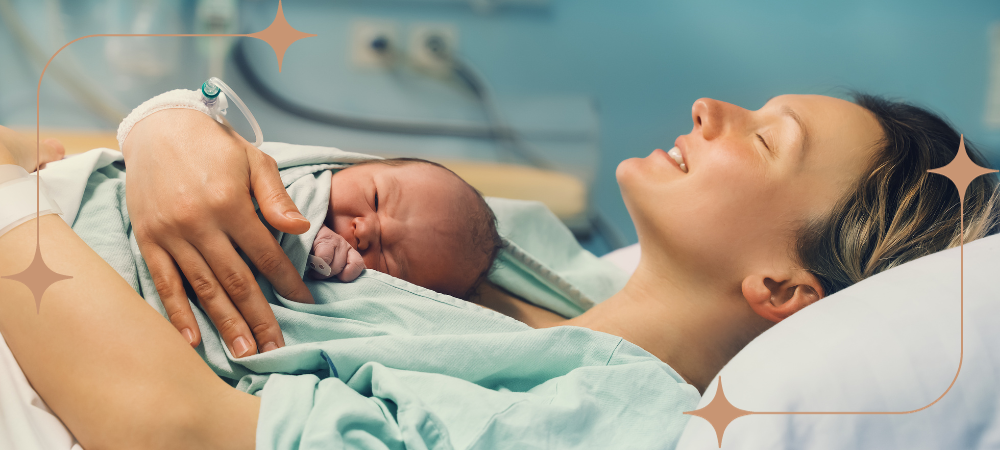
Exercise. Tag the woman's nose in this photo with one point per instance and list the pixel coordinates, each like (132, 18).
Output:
(710, 117)
(365, 232)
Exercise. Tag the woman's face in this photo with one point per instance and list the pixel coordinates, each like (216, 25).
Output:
(752, 178)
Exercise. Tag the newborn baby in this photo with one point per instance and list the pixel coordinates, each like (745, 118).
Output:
(409, 218)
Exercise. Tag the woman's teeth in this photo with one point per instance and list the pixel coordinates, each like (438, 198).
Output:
(677, 156)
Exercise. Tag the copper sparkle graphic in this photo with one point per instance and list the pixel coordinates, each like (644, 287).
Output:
(719, 412)
(962, 170)
(37, 277)
(280, 35)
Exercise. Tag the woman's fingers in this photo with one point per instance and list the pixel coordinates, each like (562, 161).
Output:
(265, 253)
(170, 286)
(275, 204)
(243, 291)
(214, 301)
(52, 150)
(28, 152)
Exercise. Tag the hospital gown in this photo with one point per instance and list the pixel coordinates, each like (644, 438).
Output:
(382, 363)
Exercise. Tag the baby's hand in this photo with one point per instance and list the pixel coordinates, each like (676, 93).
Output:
(332, 255)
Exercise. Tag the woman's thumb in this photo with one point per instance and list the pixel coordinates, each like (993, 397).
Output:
(273, 199)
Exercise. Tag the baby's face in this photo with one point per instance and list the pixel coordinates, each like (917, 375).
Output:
(405, 221)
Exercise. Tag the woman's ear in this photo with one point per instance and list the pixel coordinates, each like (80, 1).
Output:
(775, 297)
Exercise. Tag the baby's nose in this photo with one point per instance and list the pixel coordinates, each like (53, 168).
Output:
(365, 232)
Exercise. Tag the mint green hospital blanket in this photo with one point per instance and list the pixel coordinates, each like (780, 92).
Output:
(382, 363)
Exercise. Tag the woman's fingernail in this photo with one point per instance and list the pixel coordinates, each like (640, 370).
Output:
(241, 346)
(295, 216)
(270, 346)
(188, 335)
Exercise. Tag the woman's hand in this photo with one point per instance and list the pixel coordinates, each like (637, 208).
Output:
(16, 148)
(189, 190)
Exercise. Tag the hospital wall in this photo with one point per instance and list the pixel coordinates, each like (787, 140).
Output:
(622, 74)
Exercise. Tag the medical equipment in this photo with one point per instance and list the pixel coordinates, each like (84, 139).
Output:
(18, 195)
(216, 104)
(316, 263)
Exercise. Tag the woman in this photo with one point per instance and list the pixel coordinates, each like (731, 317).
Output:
(777, 208)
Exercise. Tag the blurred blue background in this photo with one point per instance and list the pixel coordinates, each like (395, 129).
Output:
(606, 80)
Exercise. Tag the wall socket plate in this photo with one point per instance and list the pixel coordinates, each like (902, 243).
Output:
(422, 57)
(363, 33)
(992, 114)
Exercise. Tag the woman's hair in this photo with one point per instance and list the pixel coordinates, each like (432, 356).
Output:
(483, 238)
(897, 211)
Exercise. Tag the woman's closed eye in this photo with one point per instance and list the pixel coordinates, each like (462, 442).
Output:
(762, 141)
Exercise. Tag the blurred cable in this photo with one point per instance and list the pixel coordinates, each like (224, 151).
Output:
(84, 92)
(277, 99)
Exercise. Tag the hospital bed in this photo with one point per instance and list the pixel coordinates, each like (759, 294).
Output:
(892, 343)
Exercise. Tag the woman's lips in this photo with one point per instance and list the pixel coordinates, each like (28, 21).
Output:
(679, 164)
(678, 157)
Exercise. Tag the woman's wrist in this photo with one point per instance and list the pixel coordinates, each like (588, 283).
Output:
(169, 126)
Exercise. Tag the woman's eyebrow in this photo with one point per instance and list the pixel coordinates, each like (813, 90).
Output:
(788, 111)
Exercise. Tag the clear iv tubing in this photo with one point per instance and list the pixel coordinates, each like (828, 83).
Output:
(210, 90)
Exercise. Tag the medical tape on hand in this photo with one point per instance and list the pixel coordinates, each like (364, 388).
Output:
(177, 98)
(18, 196)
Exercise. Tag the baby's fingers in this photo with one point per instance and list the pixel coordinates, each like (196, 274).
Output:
(323, 254)
(355, 265)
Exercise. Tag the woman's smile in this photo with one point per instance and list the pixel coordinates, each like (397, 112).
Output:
(659, 153)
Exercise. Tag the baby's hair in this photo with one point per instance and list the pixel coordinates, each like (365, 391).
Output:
(481, 221)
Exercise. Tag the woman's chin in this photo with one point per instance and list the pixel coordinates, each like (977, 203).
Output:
(629, 176)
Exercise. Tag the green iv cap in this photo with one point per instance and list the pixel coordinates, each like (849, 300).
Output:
(209, 90)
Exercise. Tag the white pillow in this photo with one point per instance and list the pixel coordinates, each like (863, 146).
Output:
(889, 343)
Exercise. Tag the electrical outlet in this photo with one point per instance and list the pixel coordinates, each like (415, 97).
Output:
(431, 47)
(374, 43)
(992, 116)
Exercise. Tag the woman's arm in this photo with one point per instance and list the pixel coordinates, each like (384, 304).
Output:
(108, 365)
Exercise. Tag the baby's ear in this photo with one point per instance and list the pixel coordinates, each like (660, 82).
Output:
(775, 296)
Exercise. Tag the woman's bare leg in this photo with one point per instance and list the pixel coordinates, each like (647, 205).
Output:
(115, 372)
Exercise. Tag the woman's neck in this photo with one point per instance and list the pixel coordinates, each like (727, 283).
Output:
(492, 297)
(695, 331)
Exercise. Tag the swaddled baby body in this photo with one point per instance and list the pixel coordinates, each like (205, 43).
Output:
(409, 218)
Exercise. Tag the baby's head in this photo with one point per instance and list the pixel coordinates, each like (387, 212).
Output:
(415, 220)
